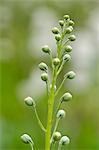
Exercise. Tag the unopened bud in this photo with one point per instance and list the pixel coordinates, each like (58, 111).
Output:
(69, 29)
(72, 38)
(46, 49)
(66, 97)
(29, 101)
(71, 75)
(66, 57)
(43, 66)
(64, 140)
(68, 48)
(71, 23)
(55, 30)
(57, 37)
(26, 139)
(61, 23)
(66, 17)
(44, 76)
(57, 136)
(60, 114)
(56, 61)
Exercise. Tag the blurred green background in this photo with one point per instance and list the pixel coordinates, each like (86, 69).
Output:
(25, 25)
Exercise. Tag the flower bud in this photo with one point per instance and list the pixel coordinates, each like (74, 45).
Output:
(44, 76)
(66, 58)
(66, 97)
(55, 30)
(61, 23)
(68, 48)
(69, 29)
(43, 66)
(66, 17)
(58, 37)
(60, 114)
(64, 140)
(57, 136)
(72, 38)
(46, 49)
(71, 23)
(29, 101)
(56, 61)
(71, 75)
(26, 139)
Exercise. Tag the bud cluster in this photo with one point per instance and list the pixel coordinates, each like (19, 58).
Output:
(62, 36)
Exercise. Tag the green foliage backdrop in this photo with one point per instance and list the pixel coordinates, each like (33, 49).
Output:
(21, 38)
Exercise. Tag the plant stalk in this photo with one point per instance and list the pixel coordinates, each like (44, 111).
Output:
(50, 112)
(55, 128)
(39, 122)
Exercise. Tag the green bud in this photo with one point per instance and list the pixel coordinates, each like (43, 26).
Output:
(64, 140)
(61, 23)
(58, 37)
(46, 49)
(29, 101)
(70, 75)
(69, 29)
(68, 48)
(72, 38)
(43, 66)
(56, 61)
(66, 17)
(66, 97)
(44, 76)
(55, 30)
(60, 114)
(57, 136)
(66, 57)
(26, 139)
(71, 23)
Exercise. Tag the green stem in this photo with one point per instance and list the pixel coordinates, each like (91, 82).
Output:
(31, 146)
(59, 147)
(55, 128)
(59, 45)
(52, 96)
(39, 122)
(66, 42)
(58, 107)
(51, 59)
(50, 112)
(60, 86)
(48, 87)
(60, 68)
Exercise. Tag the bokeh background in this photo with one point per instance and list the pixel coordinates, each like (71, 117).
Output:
(25, 25)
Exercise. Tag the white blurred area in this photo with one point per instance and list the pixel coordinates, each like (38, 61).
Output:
(32, 86)
(6, 45)
(83, 53)
(5, 16)
(86, 55)
(44, 20)
(6, 49)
